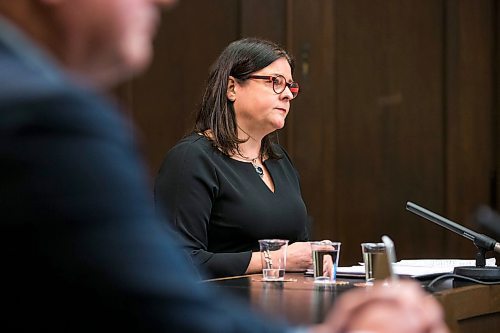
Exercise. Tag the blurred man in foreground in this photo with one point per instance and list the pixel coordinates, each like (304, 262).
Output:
(81, 246)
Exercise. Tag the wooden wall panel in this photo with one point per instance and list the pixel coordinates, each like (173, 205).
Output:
(164, 99)
(495, 195)
(398, 102)
(496, 117)
(389, 132)
(311, 123)
(264, 19)
(469, 113)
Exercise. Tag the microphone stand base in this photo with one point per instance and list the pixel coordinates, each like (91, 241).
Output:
(487, 273)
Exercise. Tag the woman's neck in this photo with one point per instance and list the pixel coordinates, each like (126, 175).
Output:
(251, 148)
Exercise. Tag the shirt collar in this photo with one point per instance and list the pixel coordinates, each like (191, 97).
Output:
(25, 50)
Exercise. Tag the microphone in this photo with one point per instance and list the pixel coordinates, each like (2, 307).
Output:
(482, 242)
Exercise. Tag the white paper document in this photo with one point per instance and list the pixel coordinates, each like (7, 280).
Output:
(417, 267)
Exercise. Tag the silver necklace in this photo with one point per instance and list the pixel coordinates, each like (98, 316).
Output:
(258, 168)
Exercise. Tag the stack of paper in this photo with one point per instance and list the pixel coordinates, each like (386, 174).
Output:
(417, 267)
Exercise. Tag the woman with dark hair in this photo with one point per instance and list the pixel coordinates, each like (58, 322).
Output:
(227, 185)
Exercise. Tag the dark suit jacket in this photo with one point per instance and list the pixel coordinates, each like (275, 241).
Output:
(81, 248)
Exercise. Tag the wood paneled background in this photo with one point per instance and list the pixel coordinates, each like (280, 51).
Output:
(399, 102)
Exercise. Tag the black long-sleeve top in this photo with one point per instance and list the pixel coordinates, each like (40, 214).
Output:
(221, 207)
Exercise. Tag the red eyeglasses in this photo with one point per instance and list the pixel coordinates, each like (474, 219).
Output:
(279, 83)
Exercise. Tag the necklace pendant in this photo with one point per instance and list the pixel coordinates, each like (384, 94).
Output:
(259, 170)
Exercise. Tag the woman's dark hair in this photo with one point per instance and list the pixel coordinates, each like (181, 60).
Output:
(239, 59)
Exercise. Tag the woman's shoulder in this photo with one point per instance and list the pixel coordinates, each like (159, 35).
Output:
(280, 151)
(192, 139)
(192, 145)
(284, 158)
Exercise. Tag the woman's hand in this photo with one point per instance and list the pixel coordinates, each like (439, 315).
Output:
(299, 257)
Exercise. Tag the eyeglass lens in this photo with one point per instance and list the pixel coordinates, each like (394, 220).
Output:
(279, 85)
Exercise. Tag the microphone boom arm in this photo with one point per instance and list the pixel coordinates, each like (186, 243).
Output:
(482, 242)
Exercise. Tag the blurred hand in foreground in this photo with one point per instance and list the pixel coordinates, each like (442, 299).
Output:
(395, 307)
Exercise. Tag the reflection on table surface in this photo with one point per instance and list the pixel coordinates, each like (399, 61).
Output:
(297, 299)
(468, 307)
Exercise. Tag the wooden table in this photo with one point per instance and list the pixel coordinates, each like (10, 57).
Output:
(473, 308)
